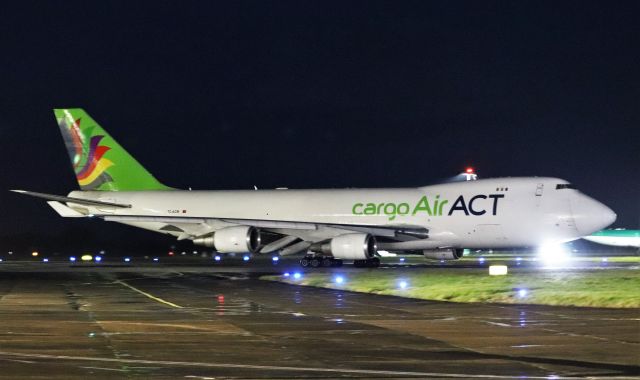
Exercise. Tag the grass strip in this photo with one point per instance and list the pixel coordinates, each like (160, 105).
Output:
(589, 288)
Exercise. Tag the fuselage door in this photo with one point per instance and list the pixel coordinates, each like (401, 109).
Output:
(539, 189)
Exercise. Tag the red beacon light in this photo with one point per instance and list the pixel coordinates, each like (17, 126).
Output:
(470, 170)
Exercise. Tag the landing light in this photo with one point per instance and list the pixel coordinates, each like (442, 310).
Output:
(553, 254)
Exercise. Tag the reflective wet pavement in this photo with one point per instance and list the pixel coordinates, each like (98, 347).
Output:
(108, 323)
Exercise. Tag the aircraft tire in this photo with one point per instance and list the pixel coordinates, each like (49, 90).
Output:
(374, 262)
(336, 263)
(315, 263)
(304, 262)
(327, 262)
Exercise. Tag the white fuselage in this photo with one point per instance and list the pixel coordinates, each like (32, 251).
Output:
(487, 213)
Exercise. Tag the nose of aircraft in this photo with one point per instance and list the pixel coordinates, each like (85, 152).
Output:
(590, 215)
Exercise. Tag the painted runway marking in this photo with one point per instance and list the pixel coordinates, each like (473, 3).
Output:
(157, 299)
(265, 367)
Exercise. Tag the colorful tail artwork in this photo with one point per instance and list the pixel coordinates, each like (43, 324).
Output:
(100, 163)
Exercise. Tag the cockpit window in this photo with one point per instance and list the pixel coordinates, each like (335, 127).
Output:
(565, 186)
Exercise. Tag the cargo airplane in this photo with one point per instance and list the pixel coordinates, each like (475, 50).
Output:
(327, 225)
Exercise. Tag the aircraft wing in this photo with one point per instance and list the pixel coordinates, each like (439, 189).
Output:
(292, 236)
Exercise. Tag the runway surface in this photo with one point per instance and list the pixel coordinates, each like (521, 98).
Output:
(205, 323)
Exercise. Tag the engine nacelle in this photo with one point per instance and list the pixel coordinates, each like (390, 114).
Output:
(349, 247)
(235, 239)
(443, 254)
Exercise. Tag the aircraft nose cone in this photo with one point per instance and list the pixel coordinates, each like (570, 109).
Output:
(590, 215)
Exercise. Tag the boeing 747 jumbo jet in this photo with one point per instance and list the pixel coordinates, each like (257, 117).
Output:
(327, 225)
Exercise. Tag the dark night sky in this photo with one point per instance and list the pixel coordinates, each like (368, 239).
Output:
(310, 94)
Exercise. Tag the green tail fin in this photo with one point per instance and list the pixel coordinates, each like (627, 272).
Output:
(100, 163)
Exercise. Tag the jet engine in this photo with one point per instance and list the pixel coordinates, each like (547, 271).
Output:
(233, 240)
(443, 254)
(349, 247)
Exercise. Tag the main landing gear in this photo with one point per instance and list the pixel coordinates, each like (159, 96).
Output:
(373, 262)
(327, 262)
(318, 261)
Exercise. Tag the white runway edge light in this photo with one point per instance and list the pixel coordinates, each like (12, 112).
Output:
(498, 270)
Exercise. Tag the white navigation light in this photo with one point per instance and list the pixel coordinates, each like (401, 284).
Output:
(498, 270)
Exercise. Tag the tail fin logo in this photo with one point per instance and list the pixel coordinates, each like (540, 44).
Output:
(87, 154)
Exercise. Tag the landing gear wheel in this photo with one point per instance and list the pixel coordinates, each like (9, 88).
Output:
(315, 263)
(304, 262)
(359, 263)
(374, 262)
(327, 262)
(336, 263)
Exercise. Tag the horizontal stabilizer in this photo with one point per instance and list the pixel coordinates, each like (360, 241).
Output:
(60, 198)
(64, 211)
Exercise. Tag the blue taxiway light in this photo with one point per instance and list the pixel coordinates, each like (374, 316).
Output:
(338, 279)
(481, 260)
(297, 275)
(45, 260)
(402, 259)
(275, 259)
(522, 293)
(155, 259)
(72, 259)
(98, 259)
(403, 284)
(217, 258)
(245, 258)
(286, 274)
